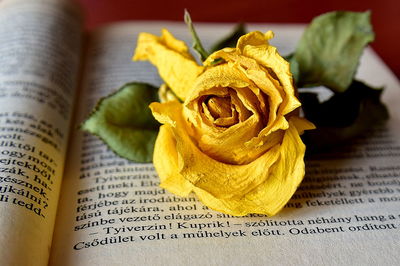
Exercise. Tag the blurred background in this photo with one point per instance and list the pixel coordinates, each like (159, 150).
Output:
(385, 15)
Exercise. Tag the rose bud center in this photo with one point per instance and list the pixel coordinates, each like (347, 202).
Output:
(221, 110)
(219, 106)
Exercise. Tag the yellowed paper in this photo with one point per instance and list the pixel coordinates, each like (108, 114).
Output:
(37, 84)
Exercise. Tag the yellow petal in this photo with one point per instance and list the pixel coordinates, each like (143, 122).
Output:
(264, 186)
(172, 58)
(302, 124)
(165, 160)
(268, 56)
(161, 111)
(271, 196)
(221, 76)
(225, 181)
(275, 98)
(220, 179)
(254, 38)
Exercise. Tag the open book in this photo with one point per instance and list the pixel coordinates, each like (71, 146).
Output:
(65, 199)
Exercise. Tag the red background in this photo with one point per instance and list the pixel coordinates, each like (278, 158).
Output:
(385, 15)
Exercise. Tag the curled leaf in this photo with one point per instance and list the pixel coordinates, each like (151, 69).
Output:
(343, 116)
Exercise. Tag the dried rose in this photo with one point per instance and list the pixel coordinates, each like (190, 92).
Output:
(234, 140)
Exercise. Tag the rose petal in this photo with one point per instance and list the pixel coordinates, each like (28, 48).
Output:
(283, 179)
(269, 57)
(219, 77)
(243, 112)
(301, 124)
(275, 98)
(166, 162)
(276, 188)
(254, 38)
(219, 179)
(172, 58)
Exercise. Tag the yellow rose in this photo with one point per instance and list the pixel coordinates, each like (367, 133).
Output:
(234, 140)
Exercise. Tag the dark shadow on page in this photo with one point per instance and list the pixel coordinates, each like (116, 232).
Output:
(333, 177)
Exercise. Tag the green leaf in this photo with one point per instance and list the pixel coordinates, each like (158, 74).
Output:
(231, 39)
(330, 48)
(124, 121)
(343, 117)
(197, 46)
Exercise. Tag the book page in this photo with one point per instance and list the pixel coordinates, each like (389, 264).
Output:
(40, 53)
(112, 211)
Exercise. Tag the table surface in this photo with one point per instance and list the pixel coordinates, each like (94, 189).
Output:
(385, 15)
